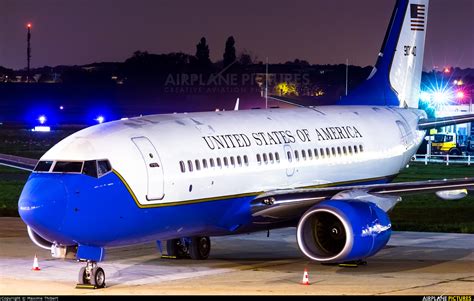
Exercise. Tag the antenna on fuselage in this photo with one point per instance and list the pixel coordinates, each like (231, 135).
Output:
(236, 107)
(266, 84)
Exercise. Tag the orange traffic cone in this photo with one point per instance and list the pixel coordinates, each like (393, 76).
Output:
(35, 264)
(305, 277)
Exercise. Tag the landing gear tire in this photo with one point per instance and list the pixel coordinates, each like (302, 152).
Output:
(91, 276)
(82, 276)
(176, 248)
(200, 247)
(98, 277)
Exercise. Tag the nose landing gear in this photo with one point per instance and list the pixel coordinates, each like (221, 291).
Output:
(91, 276)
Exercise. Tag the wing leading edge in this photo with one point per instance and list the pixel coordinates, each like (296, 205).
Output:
(288, 203)
(18, 162)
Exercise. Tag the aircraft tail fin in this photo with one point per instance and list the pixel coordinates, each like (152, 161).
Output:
(396, 77)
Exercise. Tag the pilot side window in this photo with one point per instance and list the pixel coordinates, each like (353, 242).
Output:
(103, 167)
(90, 168)
(43, 166)
(181, 166)
(69, 167)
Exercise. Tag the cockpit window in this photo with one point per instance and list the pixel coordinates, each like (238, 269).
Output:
(90, 168)
(63, 166)
(43, 166)
(103, 167)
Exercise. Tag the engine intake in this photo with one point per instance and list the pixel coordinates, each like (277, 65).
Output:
(343, 230)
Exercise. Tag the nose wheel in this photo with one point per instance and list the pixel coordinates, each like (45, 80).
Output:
(91, 276)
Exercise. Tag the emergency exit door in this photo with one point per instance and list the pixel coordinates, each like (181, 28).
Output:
(151, 159)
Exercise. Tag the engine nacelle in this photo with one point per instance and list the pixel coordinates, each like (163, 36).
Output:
(343, 230)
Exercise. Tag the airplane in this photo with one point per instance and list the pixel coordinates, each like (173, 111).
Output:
(183, 178)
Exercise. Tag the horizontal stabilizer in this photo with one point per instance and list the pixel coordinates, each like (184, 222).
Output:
(426, 124)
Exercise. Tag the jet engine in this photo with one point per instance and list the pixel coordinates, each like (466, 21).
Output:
(343, 230)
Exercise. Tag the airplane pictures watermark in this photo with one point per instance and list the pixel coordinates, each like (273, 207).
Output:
(230, 82)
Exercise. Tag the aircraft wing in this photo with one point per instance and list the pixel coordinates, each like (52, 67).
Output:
(18, 162)
(290, 203)
(426, 124)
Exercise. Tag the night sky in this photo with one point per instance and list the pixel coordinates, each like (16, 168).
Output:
(319, 31)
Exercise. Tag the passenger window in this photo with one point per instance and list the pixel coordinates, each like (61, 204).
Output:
(333, 151)
(190, 165)
(204, 163)
(303, 154)
(90, 168)
(339, 151)
(355, 149)
(316, 155)
(321, 152)
(288, 155)
(361, 149)
(226, 162)
(211, 162)
(265, 158)
(344, 150)
(43, 166)
(259, 159)
(270, 157)
(232, 161)
(198, 164)
(246, 160)
(181, 166)
(72, 167)
(277, 157)
(328, 153)
(297, 157)
(350, 149)
(239, 161)
(310, 154)
(219, 163)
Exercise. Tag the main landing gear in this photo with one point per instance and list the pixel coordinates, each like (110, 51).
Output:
(197, 248)
(91, 276)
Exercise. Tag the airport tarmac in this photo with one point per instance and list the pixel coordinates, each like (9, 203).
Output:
(412, 263)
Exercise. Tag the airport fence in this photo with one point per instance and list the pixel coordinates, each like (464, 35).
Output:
(444, 159)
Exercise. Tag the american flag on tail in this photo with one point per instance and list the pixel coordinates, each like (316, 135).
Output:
(417, 17)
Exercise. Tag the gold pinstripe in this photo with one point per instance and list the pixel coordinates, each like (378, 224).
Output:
(226, 197)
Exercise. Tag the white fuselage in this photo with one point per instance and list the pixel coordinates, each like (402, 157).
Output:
(385, 138)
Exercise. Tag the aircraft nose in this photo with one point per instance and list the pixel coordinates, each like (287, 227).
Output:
(42, 205)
